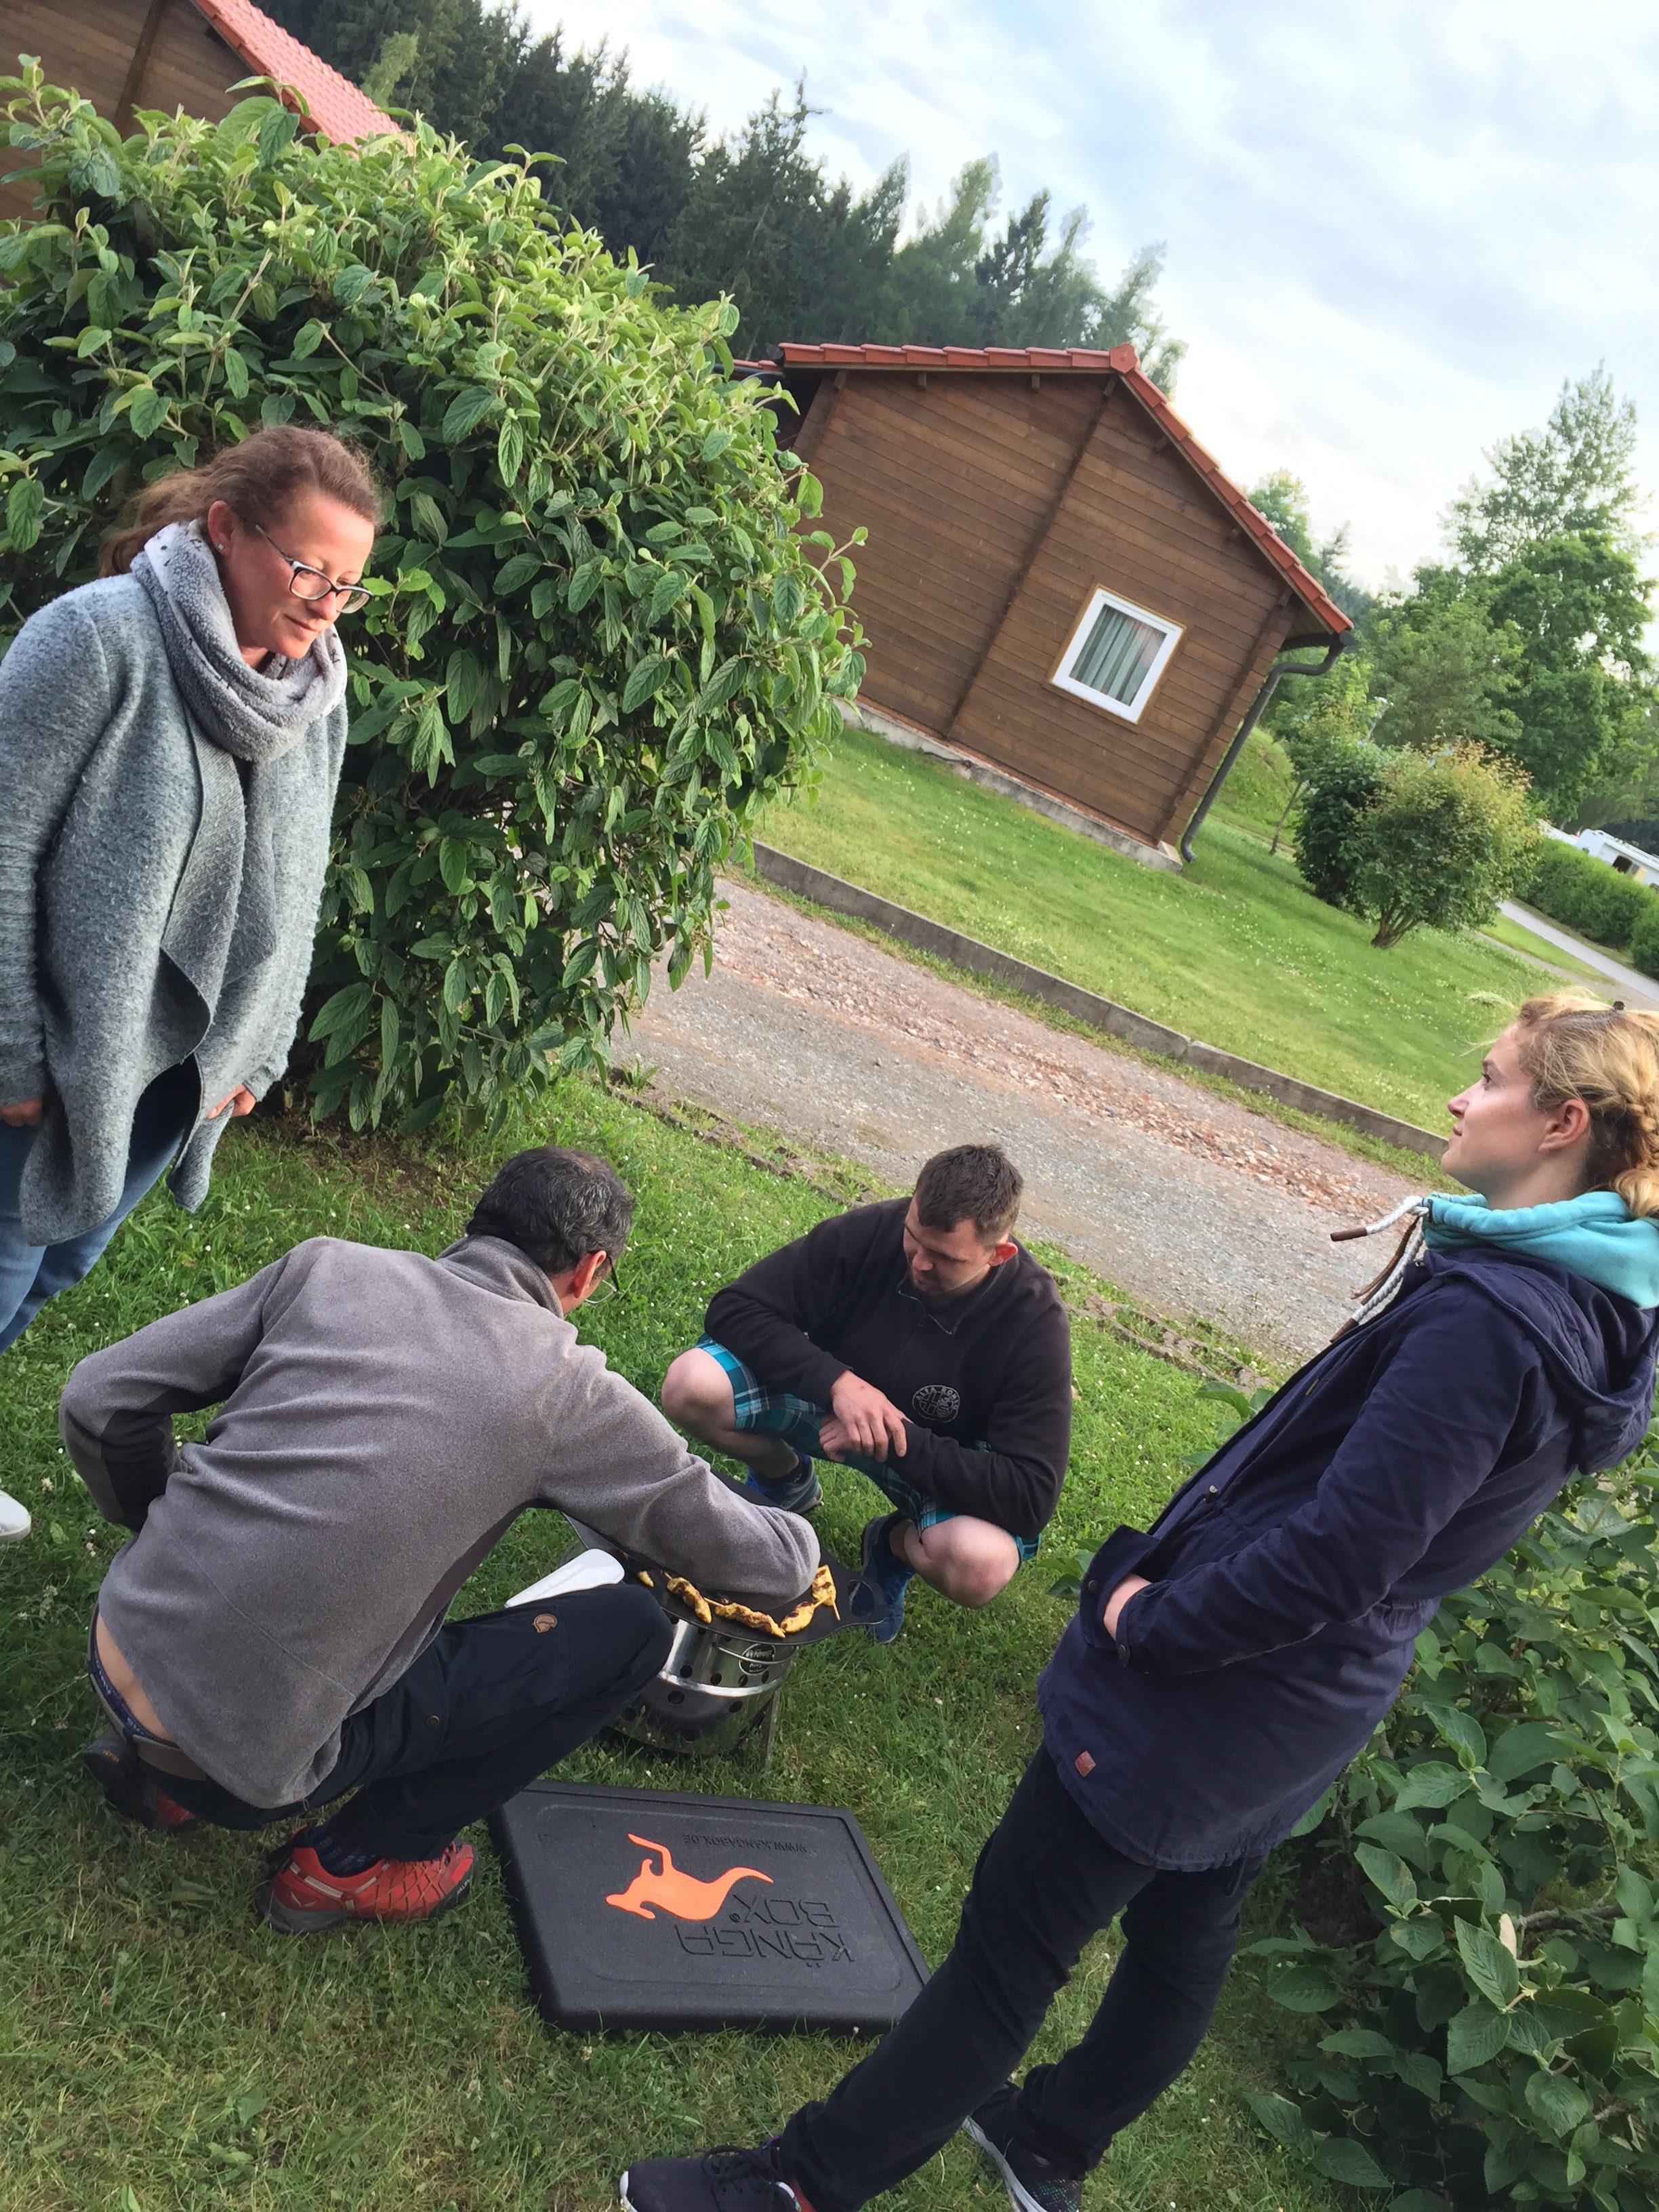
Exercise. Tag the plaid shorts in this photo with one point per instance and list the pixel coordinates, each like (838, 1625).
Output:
(798, 1420)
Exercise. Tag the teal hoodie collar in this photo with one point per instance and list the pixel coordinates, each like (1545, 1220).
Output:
(1594, 1235)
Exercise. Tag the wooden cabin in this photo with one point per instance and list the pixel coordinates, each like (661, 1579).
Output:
(1059, 580)
(172, 54)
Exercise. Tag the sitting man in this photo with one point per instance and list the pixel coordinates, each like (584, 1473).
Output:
(917, 1341)
(274, 1637)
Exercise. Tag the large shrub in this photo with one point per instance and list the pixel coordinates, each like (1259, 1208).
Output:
(1342, 781)
(1582, 893)
(600, 642)
(1412, 840)
(1448, 836)
(1496, 2040)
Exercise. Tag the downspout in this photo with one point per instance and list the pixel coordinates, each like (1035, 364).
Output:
(1258, 707)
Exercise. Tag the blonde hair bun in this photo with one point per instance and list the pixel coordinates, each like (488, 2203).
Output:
(1573, 1046)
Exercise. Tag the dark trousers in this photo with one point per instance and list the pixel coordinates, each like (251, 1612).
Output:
(488, 1705)
(32, 1274)
(1045, 1883)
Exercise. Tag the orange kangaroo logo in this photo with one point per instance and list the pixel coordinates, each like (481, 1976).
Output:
(682, 1894)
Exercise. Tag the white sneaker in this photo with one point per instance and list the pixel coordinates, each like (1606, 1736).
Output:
(14, 1523)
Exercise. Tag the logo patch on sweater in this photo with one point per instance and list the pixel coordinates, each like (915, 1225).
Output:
(937, 1401)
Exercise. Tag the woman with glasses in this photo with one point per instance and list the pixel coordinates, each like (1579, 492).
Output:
(170, 741)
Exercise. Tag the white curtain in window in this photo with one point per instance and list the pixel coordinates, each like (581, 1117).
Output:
(1116, 655)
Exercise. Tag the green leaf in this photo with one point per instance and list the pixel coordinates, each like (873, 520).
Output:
(1305, 1988)
(276, 130)
(1316, 1813)
(716, 442)
(1490, 1966)
(1280, 2119)
(1419, 1937)
(340, 1012)
(1342, 2158)
(1474, 2036)
(25, 504)
(1522, 1750)
(1433, 1784)
(466, 411)
(452, 861)
(1419, 2071)
(427, 518)
(1357, 2043)
(643, 679)
(1557, 2102)
(513, 575)
(462, 680)
(1461, 1730)
(309, 338)
(147, 412)
(1390, 1874)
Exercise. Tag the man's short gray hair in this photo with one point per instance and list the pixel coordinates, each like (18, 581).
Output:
(557, 1205)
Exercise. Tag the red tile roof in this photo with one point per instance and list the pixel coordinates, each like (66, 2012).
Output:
(1059, 360)
(339, 110)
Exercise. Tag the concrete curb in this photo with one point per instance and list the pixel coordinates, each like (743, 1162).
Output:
(915, 929)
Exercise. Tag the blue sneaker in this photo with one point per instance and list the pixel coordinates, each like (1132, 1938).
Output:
(885, 1572)
(799, 1492)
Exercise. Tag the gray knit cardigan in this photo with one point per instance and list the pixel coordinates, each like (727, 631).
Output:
(121, 852)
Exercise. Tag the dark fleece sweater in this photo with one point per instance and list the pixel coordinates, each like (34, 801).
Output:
(1291, 1576)
(992, 1368)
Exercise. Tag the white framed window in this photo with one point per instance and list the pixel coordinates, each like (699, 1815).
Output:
(1116, 656)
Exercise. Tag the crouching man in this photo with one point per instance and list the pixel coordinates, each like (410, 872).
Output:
(917, 1341)
(273, 1641)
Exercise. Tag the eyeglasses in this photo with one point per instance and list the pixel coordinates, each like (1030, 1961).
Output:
(606, 1288)
(316, 586)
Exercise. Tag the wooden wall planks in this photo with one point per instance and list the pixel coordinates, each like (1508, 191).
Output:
(89, 45)
(994, 509)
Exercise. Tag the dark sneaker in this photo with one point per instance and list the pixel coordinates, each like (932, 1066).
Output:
(719, 2181)
(131, 1789)
(301, 1895)
(798, 1492)
(886, 1573)
(1033, 2184)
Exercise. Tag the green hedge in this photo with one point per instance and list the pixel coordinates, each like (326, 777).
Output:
(1585, 894)
(601, 641)
(1497, 2041)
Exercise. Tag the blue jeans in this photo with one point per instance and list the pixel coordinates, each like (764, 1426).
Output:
(32, 1274)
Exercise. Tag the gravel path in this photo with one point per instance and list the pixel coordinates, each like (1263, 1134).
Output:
(1189, 1203)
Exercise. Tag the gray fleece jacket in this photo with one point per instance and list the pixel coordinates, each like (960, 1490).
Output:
(384, 1418)
(127, 944)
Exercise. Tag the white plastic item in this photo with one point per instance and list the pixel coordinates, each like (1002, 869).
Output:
(589, 1570)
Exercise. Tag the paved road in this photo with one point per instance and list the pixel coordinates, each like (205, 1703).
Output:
(1189, 1203)
(1641, 990)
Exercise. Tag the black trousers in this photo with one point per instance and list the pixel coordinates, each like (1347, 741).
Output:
(1045, 1883)
(488, 1705)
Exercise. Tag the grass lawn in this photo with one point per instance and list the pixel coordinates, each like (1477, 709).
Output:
(165, 2051)
(1234, 950)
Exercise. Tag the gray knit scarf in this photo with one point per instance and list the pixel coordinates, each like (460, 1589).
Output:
(257, 713)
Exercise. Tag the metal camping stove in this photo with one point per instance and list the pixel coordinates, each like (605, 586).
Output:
(719, 1686)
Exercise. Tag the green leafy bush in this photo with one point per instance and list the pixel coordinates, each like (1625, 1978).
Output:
(1498, 2042)
(600, 642)
(1342, 781)
(1413, 839)
(1644, 938)
(1585, 894)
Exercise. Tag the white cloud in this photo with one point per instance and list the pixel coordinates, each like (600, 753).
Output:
(1392, 228)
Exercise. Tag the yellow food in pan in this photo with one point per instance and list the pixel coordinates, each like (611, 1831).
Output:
(708, 1610)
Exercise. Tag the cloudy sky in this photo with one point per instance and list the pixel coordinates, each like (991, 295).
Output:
(1392, 228)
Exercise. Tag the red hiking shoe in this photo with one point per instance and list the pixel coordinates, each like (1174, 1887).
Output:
(301, 1895)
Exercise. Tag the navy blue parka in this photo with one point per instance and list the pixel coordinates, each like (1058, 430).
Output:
(1290, 1577)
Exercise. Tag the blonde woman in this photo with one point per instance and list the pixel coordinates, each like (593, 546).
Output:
(1226, 1665)
(170, 742)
